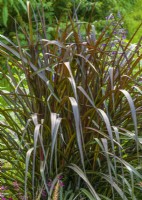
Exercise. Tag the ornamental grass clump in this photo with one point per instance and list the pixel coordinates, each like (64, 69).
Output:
(71, 109)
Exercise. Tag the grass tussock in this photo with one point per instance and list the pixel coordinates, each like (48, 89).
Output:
(71, 113)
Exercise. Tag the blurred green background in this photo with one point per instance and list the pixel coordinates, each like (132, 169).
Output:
(94, 11)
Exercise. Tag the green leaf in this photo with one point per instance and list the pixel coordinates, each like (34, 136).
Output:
(114, 184)
(23, 5)
(88, 194)
(5, 14)
(84, 177)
